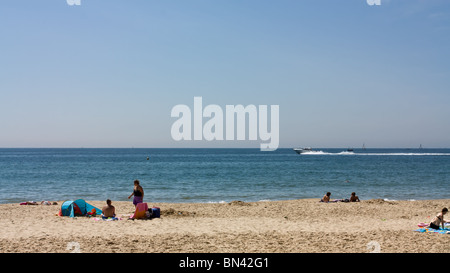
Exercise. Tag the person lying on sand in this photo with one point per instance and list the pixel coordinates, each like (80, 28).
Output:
(439, 220)
(34, 203)
(48, 203)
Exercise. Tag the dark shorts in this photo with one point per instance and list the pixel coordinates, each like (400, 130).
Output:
(433, 226)
(137, 200)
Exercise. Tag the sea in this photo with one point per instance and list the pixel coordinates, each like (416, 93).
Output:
(222, 175)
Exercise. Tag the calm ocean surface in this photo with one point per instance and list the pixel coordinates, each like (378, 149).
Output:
(222, 175)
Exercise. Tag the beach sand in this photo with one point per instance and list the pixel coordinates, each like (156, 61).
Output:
(294, 226)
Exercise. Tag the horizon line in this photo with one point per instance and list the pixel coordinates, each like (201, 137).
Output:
(218, 148)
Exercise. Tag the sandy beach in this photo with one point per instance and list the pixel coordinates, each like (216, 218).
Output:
(294, 226)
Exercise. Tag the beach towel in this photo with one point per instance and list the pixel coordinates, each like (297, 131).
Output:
(110, 218)
(140, 212)
(432, 230)
(426, 229)
(107, 218)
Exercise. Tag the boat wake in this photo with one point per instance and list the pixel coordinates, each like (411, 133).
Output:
(376, 154)
(326, 153)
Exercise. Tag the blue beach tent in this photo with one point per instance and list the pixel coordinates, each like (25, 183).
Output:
(77, 208)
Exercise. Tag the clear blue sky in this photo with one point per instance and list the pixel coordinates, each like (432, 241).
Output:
(107, 73)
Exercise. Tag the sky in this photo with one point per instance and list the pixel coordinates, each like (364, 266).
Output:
(108, 73)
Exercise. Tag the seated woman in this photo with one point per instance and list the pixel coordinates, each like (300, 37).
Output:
(326, 197)
(439, 220)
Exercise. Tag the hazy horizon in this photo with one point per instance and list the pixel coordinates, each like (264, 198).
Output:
(107, 75)
(315, 148)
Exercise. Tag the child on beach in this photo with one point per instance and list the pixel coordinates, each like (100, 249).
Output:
(439, 219)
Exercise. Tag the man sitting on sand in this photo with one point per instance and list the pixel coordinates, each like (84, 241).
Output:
(108, 210)
(354, 198)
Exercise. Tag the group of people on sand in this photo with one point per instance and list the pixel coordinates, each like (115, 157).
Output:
(353, 198)
(437, 221)
(109, 211)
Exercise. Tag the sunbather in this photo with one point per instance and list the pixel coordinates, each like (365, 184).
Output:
(354, 197)
(108, 210)
(439, 219)
(326, 197)
(48, 203)
(34, 203)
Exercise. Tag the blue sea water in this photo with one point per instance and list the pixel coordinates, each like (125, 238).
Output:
(222, 175)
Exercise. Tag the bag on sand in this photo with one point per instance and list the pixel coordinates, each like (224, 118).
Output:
(155, 212)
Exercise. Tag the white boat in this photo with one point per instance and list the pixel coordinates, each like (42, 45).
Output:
(303, 150)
